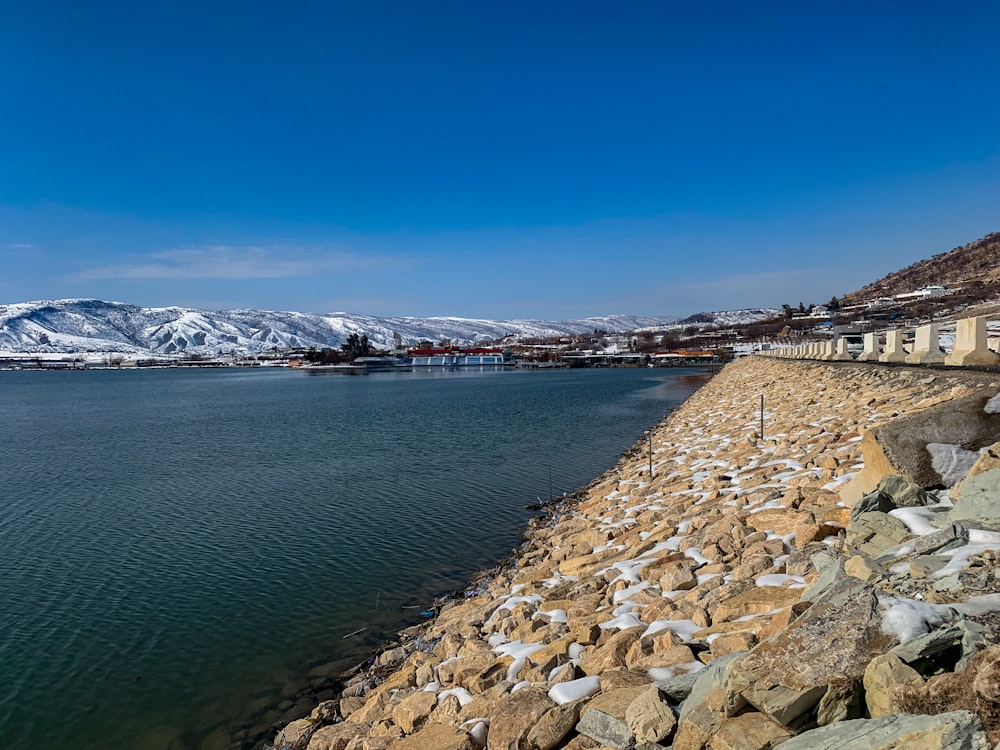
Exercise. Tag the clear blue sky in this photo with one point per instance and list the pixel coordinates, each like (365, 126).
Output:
(485, 159)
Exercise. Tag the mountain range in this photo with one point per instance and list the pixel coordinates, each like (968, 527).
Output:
(82, 325)
(88, 325)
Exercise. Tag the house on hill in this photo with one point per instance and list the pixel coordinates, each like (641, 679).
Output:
(924, 292)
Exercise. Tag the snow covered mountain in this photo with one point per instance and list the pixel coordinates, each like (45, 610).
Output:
(729, 318)
(81, 325)
(717, 319)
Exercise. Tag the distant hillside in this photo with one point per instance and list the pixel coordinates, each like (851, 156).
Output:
(82, 325)
(975, 266)
(729, 318)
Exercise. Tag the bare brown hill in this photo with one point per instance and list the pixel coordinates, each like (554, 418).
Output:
(975, 267)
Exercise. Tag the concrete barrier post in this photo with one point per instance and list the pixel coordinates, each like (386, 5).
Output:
(871, 351)
(971, 347)
(841, 354)
(926, 347)
(894, 351)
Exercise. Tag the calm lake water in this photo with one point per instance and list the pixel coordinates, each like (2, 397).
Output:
(181, 553)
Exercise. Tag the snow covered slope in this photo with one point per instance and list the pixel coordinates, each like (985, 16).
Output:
(729, 318)
(79, 325)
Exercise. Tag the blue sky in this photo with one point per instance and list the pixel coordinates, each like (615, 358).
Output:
(499, 160)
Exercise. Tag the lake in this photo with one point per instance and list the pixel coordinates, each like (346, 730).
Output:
(183, 552)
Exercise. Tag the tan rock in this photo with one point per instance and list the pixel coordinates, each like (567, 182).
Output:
(644, 655)
(732, 643)
(293, 732)
(864, 568)
(375, 705)
(583, 564)
(749, 731)
(585, 630)
(515, 715)
(413, 710)
(337, 736)
(650, 717)
(448, 711)
(553, 727)
(752, 567)
(611, 654)
(617, 679)
(677, 577)
(779, 520)
(435, 737)
(484, 704)
(460, 672)
(876, 466)
(842, 701)
(756, 601)
(492, 675)
(349, 704)
(615, 701)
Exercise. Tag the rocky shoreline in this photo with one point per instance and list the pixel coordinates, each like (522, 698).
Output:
(756, 590)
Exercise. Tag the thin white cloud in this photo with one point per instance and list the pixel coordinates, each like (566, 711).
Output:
(236, 262)
(710, 292)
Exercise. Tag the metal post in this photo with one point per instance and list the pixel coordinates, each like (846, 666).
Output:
(762, 416)
(649, 433)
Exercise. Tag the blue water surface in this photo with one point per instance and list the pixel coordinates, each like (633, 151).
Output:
(182, 552)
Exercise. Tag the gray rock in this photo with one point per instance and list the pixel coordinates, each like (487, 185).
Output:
(873, 533)
(949, 584)
(980, 500)
(606, 729)
(872, 502)
(951, 537)
(902, 493)
(956, 730)
(707, 679)
(678, 687)
(923, 566)
(831, 570)
(945, 649)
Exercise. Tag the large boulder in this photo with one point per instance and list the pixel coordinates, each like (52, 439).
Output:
(957, 730)
(831, 644)
(515, 716)
(900, 446)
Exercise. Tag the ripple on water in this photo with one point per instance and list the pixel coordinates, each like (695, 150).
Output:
(176, 545)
